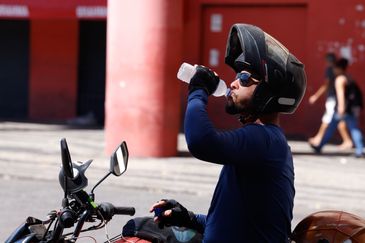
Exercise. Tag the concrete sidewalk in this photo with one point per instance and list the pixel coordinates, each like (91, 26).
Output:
(333, 180)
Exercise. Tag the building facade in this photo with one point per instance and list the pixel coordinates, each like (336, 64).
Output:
(52, 59)
(53, 53)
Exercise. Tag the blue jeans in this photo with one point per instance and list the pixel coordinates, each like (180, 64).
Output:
(351, 123)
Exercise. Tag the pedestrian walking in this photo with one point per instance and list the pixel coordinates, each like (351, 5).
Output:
(328, 87)
(347, 109)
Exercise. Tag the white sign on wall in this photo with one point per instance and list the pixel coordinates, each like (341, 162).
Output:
(91, 11)
(214, 57)
(216, 22)
(7, 10)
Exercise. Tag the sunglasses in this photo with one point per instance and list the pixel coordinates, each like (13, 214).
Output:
(245, 79)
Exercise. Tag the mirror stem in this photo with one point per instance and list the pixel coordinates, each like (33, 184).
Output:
(97, 184)
(65, 201)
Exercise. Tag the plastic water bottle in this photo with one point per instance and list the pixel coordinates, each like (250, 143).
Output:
(187, 71)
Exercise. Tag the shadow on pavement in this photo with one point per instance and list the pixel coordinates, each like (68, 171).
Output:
(323, 154)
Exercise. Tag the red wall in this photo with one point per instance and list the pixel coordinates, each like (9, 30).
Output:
(215, 40)
(53, 69)
(326, 25)
(309, 29)
(54, 41)
(337, 26)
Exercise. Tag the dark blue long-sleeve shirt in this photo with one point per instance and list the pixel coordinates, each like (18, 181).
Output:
(253, 200)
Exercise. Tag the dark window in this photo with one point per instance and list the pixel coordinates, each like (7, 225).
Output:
(91, 72)
(14, 68)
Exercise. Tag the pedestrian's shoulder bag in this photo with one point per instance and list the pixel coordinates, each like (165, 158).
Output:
(353, 95)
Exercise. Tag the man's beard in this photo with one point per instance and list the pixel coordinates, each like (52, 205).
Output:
(241, 109)
(246, 114)
(233, 109)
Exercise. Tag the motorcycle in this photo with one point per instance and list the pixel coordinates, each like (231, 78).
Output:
(79, 207)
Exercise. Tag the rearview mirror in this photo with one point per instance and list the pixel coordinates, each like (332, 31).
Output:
(66, 159)
(119, 159)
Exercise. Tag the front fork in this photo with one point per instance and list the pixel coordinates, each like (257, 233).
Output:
(68, 217)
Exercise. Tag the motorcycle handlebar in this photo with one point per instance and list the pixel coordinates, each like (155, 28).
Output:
(108, 210)
(125, 210)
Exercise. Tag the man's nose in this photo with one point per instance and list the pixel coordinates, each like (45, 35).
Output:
(235, 84)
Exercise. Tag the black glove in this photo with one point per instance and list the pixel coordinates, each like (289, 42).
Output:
(180, 216)
(204, 78)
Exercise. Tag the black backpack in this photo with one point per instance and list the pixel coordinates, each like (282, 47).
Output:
(145, 228)
(353, 96)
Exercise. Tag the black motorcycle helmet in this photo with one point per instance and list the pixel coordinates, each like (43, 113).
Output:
(79, 181)
(282, 76)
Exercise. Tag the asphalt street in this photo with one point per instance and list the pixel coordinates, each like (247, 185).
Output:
(30, 162)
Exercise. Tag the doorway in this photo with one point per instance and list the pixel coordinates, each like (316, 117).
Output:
(14, 69)
(91, 71)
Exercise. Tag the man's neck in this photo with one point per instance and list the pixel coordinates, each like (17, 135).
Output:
(272, 118)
